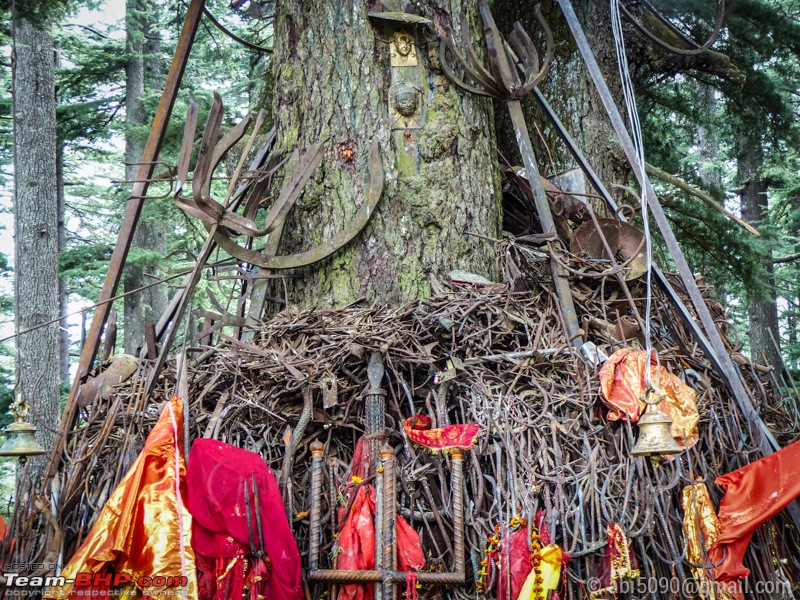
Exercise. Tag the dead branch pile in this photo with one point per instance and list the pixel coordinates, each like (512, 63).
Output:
(545, 443)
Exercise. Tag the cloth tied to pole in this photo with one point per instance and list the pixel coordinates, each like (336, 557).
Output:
(701, 529)
(357, 533)
(144, 529)
(618, 562)
(521, 571)
(753, 494)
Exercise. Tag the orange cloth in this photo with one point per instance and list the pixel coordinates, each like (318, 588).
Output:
(623, 380)
(144, 528)
(701, 528)
(418, 429)
(753, 494)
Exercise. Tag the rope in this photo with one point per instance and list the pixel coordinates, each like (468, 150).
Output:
(636, 135)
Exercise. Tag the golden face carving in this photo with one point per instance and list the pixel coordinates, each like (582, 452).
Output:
(403, 50)
(403, 43)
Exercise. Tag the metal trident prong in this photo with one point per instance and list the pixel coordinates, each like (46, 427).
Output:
(256, 543)
(260, 553)
(502, 80)
(507, 59)
(249, 519)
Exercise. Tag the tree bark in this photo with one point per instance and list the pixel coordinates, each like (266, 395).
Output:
(36, 224)
(63, 292)
(762, 307)
(142, 71)
(333, 80)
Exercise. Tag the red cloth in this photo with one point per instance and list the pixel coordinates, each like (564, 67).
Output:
(753, 494)
(410, 556)
(357, 532)
(216, 476)
(357, 543)
(418, 429)
(514, 559)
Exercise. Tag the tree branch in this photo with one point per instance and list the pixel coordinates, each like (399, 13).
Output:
(786, 259)
(704, 196)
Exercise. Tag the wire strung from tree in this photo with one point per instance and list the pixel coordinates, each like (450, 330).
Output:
(221, 263)
(638, 142)
(233, 36)
(722, 18)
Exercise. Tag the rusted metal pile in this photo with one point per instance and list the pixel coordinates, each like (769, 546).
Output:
(519, 357)
(469, 354)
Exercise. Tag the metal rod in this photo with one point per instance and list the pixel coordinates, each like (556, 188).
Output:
(378, 524)
(661, 279)
(133, 210)
(375, 576)
(334, 505)
(767, 441)
(545, 216)
(388, 517)
(375, 405)
(317, 449)
(457, 485)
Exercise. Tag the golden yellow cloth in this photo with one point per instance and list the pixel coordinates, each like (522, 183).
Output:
(701, 528)
(549, 571)
(145, 528)
(623, 380)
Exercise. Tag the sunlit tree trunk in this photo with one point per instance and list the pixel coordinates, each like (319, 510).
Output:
(36, 223)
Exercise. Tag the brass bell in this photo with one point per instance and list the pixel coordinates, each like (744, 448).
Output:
(655, 436)
(20, 436)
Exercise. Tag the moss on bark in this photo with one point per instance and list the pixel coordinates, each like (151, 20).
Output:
(333, 80)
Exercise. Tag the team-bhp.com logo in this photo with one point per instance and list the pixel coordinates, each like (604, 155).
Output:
(99, 582)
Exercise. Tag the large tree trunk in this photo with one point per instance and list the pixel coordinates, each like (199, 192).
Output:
(762, 308)
(142, 71)
(63, 292)
(36, 223)
(333, 79)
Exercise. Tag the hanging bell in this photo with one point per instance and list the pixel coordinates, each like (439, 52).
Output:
(20, 436)
(655, 435)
